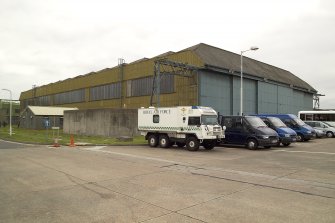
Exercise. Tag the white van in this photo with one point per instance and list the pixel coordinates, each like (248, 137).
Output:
(326, 127)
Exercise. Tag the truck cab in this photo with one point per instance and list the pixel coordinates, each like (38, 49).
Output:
(249, 131)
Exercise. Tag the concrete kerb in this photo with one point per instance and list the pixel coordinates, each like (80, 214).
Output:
(77, 144)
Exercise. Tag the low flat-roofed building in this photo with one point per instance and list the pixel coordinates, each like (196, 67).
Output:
(40, 117)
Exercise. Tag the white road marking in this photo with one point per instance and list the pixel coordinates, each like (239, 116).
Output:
(292, 151)
(97, 148)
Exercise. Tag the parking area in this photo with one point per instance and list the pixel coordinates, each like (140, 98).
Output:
(144, 184)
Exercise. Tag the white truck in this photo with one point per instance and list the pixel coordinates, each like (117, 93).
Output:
(183, 125)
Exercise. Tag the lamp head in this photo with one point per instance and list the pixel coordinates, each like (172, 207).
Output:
(254, 48)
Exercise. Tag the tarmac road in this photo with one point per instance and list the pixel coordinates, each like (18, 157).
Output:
(143, 184)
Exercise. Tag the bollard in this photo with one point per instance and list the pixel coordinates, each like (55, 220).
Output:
(56, 144)
(72, 141)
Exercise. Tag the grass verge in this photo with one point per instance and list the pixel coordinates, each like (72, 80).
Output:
(47, 137)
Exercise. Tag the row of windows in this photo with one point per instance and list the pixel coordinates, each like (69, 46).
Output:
(70, 97)
(137, 87)
(103, 92)
(143, 86)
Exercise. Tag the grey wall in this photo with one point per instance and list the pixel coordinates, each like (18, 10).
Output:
(103, 122)
(222, 92)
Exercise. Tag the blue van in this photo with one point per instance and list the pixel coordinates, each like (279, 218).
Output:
(286, 134)
(304, 131)
(249, 131)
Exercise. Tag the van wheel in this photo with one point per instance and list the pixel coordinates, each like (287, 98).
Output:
(153, 140)
(286, 144)
(252, 144)
(209, 145)
(180, 144)
(192, 143)
(300, 137)
(330, 134)
(164, 141)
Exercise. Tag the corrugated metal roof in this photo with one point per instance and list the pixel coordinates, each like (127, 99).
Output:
(217, 57)
(49, 111)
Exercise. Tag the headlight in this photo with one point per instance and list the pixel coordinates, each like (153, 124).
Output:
(287, 135)
(309, 132)
(264, 137)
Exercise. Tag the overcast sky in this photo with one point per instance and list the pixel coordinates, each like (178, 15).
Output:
(43, 41)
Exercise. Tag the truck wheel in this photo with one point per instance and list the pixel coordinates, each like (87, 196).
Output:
(153, 140)
(252, 144)
(286, 144)
(164, 141)
(330, 134)
(300, 137)
(180, 144)
(267, 147)
(209, 145)
(192, 143)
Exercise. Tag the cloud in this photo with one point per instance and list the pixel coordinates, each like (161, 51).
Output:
(46, 41)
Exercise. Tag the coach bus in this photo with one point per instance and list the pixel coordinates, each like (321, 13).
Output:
(318, 115)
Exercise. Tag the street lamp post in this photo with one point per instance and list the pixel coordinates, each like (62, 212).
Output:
(241, 97)
(10, 110)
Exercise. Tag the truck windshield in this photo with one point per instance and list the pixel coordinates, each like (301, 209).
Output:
(276, 122)
(255, 122)
(209, 120)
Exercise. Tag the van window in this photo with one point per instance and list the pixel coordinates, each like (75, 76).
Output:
(276, 122)
(266, 122)
(238, 124)
(311, 124)
(290, 123)
(194, 121)
(255, 122)
(228, 122)
(299, 122)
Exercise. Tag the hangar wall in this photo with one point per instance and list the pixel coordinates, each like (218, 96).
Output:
(267, 89)
(222, 92)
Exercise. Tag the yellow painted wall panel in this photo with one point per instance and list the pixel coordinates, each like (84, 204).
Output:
(186, 90)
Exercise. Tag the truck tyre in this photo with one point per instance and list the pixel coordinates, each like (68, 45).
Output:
(330, 134)
(153, 140)
(300, 137)
(286, 144)
(164, 141)
(209, 145)
(181, 144)
(192, 143)
(252, 144)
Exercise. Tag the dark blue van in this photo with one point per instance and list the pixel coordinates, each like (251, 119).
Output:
(286, 134)
(249, 131)
(304, 131)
